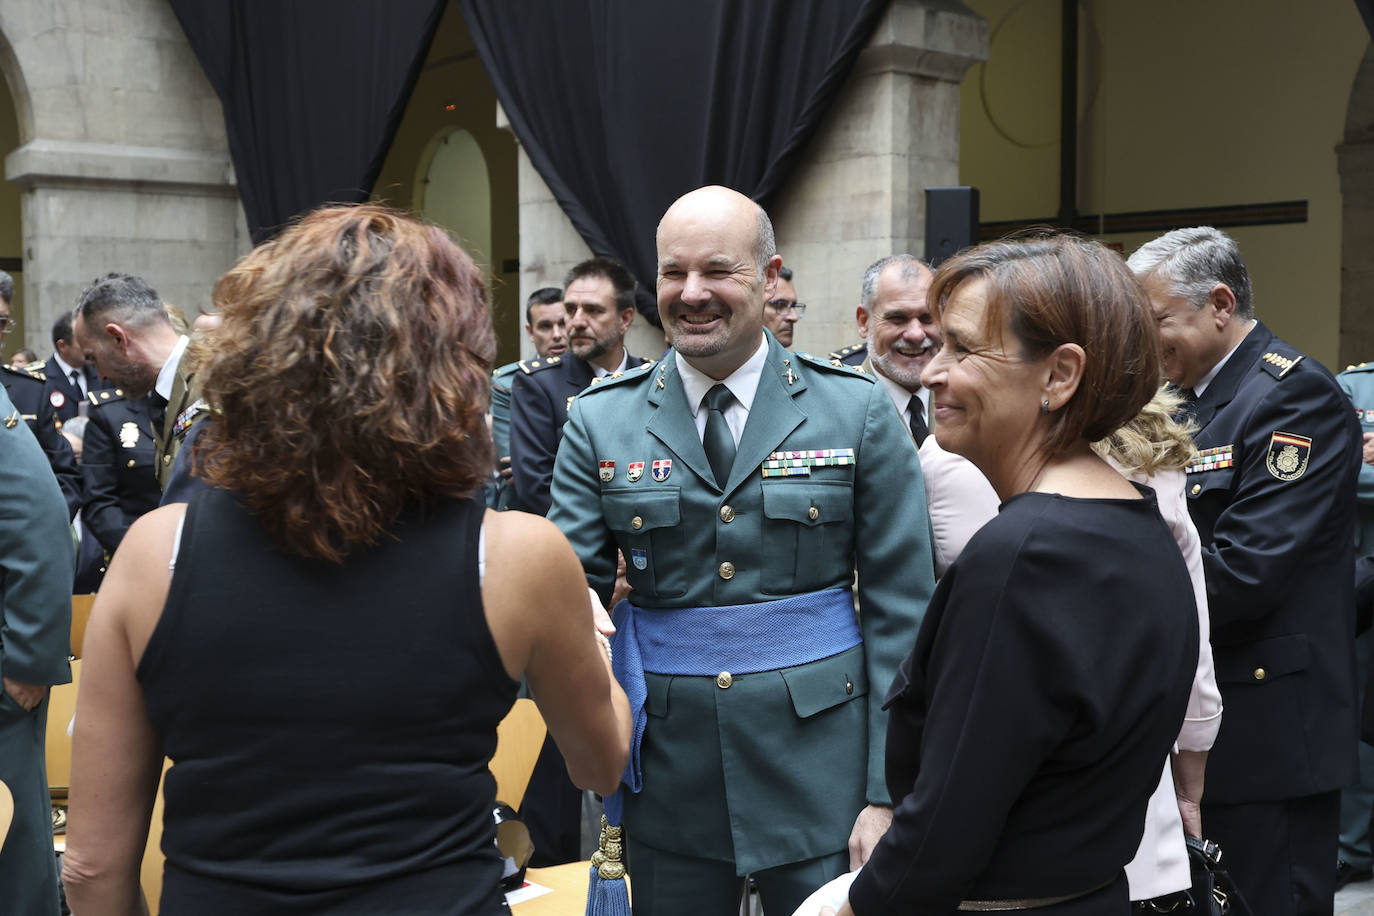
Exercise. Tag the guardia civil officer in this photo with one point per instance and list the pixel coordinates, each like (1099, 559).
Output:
(1272, 494)
(745, 484)
(117, 465)
(546, 326)
(599, 301)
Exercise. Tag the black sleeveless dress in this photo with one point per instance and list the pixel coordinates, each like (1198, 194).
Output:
(329, 725)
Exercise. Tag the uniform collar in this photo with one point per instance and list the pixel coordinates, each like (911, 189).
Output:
(743, 382)
(167, 375)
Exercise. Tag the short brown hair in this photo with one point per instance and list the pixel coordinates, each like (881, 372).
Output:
(1058, 289)
(350, 378)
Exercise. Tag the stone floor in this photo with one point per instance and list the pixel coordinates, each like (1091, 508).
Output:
(1356, 899)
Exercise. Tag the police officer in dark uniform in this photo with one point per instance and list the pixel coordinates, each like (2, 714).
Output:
(1272, 493)
(66, 377)
(599, 300)
(26, 391)
(852, 355)
(117, 465)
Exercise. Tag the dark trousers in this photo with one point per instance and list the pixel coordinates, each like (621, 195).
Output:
(552, 810)
(28, 866)
(1281, 854)
(668, 884)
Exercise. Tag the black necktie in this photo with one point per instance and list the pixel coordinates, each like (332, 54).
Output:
(719, 442)
(157, 412)
(919, 430)
(76, 382)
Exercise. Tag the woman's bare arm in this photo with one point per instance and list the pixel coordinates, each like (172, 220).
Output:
(539, 613)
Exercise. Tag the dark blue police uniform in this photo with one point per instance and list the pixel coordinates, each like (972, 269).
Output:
(1272, 493)
(26, 391)
(540, 398)
(64, 396)
(117, 465)
(852, 355)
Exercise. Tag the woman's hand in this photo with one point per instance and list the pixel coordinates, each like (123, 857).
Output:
(1189, 767)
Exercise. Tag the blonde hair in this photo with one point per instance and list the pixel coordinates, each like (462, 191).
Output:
(1153, 440)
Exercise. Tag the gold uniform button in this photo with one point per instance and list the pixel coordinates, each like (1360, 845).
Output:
(131, 462)
(1260, 674)
(727, 570)
(849, 687)
(1197, 488)
(636, 523)
(813, 513)
(727, 514)
(724, 680)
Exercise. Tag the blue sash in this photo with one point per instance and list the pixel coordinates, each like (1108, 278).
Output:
(741, 639)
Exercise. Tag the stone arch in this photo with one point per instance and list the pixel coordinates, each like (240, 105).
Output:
(453, 189)
(15, 79)
(1355, 161)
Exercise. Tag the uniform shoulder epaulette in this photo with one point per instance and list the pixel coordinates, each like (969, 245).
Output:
(842, 352)
(833, 364)
(535, 365)
(1278, 365)
(619, 377)
(503, 371)
(37, 370)
(20, 373)
(105, 396)
(1361, 367)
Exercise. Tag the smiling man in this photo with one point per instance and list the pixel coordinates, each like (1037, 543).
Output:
(599, 305)
(1272, 494)
(900, 338)
(745, 485)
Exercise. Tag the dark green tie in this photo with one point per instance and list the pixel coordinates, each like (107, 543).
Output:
(718, 441)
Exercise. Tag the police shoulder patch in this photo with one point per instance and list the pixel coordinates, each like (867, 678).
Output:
(105, 396)
(1287, 455)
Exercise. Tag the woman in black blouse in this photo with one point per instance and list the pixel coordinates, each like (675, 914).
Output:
(1052, 670)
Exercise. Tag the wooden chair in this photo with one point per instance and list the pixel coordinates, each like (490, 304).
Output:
(6, 812)
(81, 615)
(519, 738)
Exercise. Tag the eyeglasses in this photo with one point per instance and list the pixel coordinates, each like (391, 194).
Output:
(6, 324)
(782, 305)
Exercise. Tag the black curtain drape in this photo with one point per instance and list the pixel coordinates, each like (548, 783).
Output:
(312, 92)
(1367, 11)
(623, 105)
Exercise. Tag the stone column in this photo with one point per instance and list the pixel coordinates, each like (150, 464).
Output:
(123, 162)
(892, 132)
(1355, 162)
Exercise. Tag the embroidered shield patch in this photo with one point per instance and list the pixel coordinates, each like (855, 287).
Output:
(1287, 457)
(639, 558)
(661, 469)
(634, 471)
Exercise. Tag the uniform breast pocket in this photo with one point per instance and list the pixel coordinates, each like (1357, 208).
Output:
(647, 526)
(807, 535)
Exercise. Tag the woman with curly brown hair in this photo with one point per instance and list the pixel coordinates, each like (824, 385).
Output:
(325, 643)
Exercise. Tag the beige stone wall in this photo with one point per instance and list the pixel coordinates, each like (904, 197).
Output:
(1183, 104)
(123, 163)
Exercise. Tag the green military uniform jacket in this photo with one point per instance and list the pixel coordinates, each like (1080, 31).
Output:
(184, 407)
(783, 761)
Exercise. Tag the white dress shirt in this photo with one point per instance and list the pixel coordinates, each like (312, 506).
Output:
(743, 384)
(167, 375)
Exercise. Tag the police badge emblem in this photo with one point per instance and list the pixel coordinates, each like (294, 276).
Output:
(661, 469)
(128, 434)
(57, 399)
(1287, 456)
(639, 558)
(607, 471)
(634, 471)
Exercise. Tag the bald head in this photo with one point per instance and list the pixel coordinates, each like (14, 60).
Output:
(717, 264)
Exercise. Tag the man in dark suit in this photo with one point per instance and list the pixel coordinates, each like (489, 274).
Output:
(599, 301)
(67, 378)
(1272, 493)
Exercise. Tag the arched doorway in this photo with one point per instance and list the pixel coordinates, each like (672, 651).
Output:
(453, 189)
